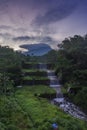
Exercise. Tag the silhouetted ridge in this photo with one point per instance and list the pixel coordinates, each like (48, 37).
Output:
(36, 49)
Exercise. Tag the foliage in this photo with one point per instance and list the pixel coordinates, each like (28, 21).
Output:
(24, 110)
(35, 78)
(71, 67)
(81, 97)
(10, 68)
(72, 60)
(44, 114)
(50, 57)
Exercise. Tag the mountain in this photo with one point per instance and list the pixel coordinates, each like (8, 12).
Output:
(36, 49)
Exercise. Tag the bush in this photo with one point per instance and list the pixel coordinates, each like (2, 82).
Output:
(2, 126)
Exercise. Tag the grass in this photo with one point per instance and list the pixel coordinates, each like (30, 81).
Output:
(44, 114)
(32, 70)
(64, 90)
(24, 111)
(12, 116)
(35, 78)
(32, 62)
(39, 89)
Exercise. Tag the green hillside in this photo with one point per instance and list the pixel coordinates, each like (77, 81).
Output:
(28, 107)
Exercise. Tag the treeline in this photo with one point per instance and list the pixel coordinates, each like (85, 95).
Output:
(71, 68)
(10, 69)
(72, 60)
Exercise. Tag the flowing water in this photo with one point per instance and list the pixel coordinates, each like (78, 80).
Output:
(67, 106)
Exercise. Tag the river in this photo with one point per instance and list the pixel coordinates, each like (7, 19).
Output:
(60, 101)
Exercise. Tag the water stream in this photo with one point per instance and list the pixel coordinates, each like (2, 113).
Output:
(65, 105)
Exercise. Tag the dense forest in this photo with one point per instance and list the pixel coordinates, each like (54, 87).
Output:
(70, 64)
(24, 108)
(71, 67)
(10, 68)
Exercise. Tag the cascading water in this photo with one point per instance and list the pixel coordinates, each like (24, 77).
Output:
(60, 100)
(54, 83)
(42, 66)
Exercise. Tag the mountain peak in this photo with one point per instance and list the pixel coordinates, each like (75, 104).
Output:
(36, 49)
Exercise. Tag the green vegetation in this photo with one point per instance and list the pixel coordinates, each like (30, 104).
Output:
(71, 67)
(39, 89)
(25, 111)
(10, 69)
(31, 70)
(35, 78)
(12, 115)
(36, 72)
(43, 114)
(50, 57)
(25, 108)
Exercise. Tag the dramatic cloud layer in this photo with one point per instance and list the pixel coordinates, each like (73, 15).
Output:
(32, 21)
(22, 38)
(59, 10)
(40, 11)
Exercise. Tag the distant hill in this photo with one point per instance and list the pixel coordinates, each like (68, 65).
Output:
(36, 49)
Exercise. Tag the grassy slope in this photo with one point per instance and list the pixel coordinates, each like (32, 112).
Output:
(35, 78)
(27, 112)
(12, 116)
(31, 70)
(43, 113)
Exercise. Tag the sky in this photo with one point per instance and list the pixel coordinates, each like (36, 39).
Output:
(41, 21)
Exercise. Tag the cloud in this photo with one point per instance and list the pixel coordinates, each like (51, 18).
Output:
(37, 12)
(4, 27)
(22, 38)
(6, 35)
(50, 41)
(17, 16)
(46, 39)
(59, 10)
(4, 6)
(34, 39)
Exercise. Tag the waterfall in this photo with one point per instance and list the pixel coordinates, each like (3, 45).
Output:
(42, 66)
(54, 83)
(68, 107)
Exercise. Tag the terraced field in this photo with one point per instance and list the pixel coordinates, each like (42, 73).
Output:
(34, 76)
(29, 108)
